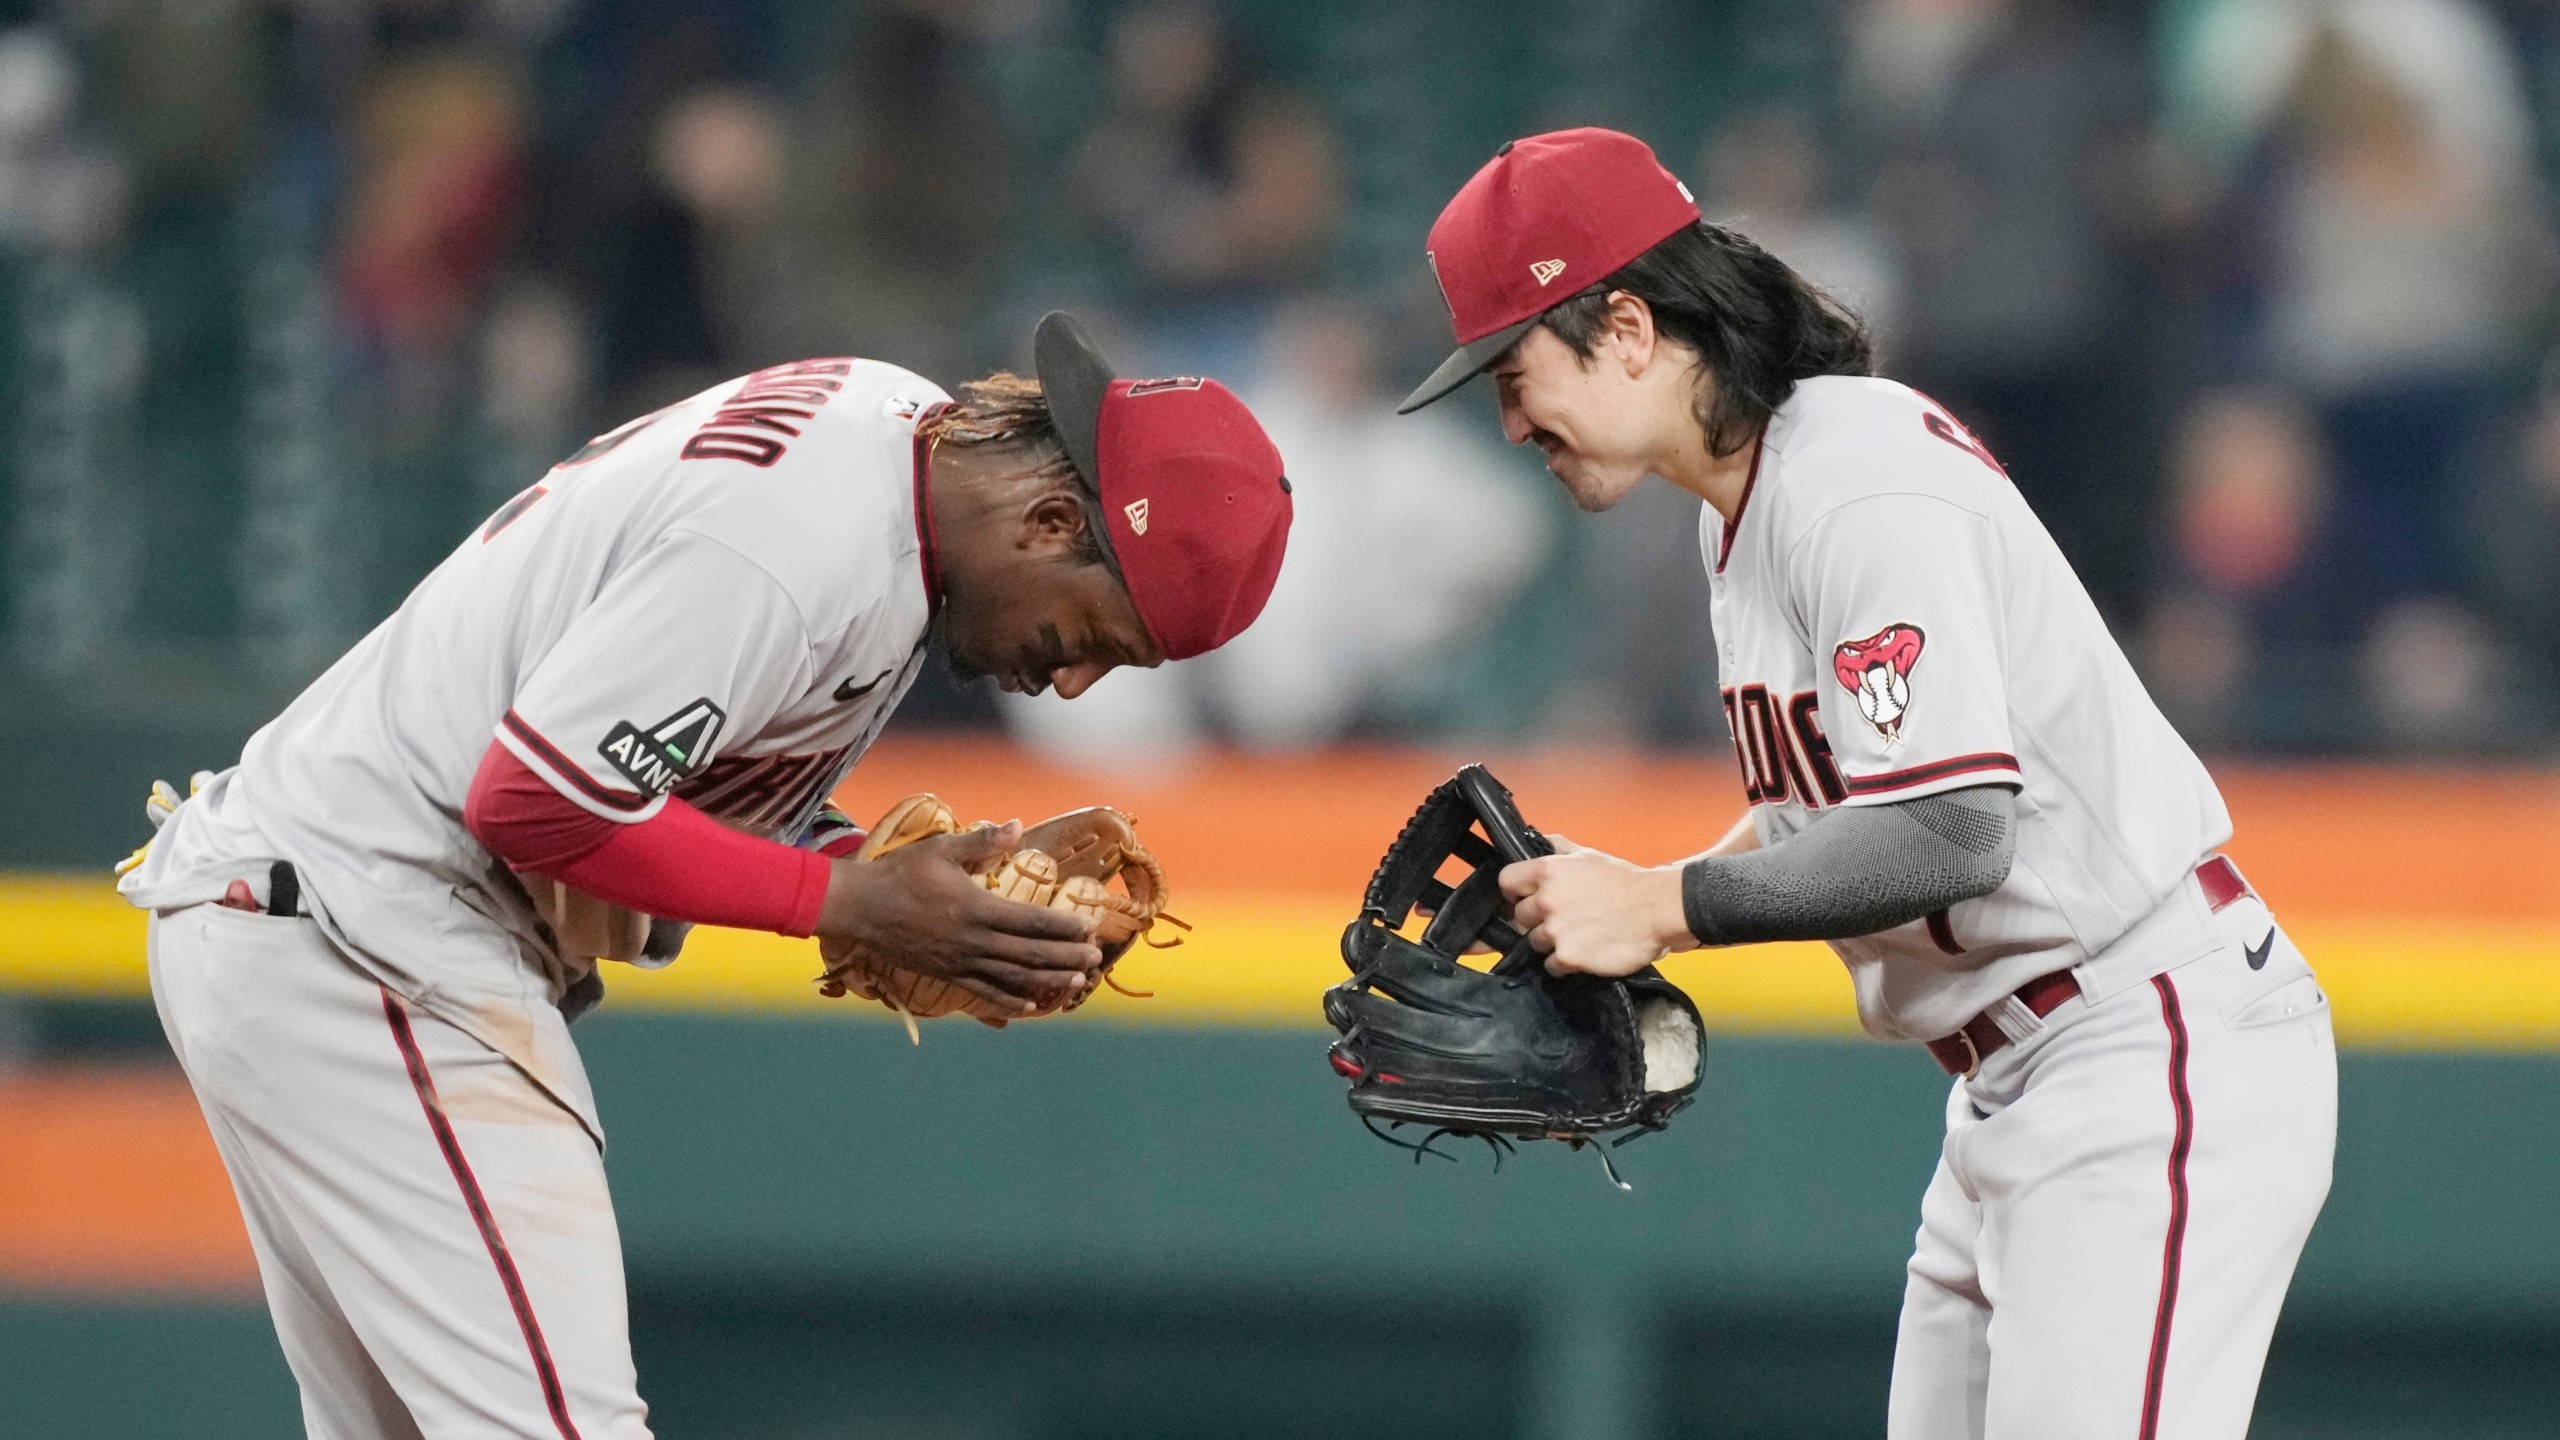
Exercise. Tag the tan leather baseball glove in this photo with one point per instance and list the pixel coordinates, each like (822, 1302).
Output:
(1069, 862)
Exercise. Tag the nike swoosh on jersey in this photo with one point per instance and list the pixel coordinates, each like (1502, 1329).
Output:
(848, 692)
(2257, 953)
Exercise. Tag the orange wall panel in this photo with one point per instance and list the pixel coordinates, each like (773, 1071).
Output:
(109, 1181)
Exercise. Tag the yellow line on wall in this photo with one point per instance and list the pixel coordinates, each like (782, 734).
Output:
(69, 935)
(1259, 962)
(1263, 961)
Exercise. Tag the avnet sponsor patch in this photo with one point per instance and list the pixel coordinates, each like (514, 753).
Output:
(657, 756)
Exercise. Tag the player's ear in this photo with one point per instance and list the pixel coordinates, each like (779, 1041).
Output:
(1055, 521)
(1628, 329)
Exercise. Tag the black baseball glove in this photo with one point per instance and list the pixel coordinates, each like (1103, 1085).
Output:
(1506, 1053)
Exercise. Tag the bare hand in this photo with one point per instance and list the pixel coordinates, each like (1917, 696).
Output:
(922, 904)
(1593, 913)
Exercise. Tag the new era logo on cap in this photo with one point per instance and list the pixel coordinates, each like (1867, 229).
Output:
(1545, 271)
(1137, 513)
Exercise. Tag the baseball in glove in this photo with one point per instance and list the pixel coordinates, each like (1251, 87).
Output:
(1512, 1052)
(1067, 862)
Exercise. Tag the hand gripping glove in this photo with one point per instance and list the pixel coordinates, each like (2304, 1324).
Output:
(1067, 862)
(1510, 1053)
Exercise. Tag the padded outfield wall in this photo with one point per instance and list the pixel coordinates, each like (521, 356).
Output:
(1155, 1217)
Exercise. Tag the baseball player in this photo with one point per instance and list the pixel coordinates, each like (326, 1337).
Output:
(638, 682)
(1956, 779)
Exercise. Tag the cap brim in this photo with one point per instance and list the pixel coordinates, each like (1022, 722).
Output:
(1464, 364)
(1073, 380)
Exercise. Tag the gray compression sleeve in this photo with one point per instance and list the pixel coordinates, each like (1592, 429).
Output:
(1856, 871)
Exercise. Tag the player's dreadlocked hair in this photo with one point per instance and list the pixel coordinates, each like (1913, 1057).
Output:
(1006, 411)
(1758, 327)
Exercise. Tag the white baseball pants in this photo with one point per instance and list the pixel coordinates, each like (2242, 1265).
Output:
(433, 1230)
(2119, 1205)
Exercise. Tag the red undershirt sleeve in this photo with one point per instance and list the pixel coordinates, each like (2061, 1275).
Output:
(678, 864)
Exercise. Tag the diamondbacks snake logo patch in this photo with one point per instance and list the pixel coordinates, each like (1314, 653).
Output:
(1877, 670)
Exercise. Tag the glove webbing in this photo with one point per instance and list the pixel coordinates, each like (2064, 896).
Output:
(1444, 825)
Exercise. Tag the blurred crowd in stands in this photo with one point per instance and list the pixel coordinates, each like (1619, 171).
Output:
(2252, 298)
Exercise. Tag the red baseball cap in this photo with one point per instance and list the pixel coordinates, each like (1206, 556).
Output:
(1545, 219)
(1195, 508)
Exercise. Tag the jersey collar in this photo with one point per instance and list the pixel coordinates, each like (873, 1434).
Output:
(1733, 526)
(928, 560)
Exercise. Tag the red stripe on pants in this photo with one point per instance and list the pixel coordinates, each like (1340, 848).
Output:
(425, 1085)
(2172, 1252)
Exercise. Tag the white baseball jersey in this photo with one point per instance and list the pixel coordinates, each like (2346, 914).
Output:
(1892, 621)
(721, 601)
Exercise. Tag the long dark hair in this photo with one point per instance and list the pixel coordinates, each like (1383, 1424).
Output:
(1758, 327)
